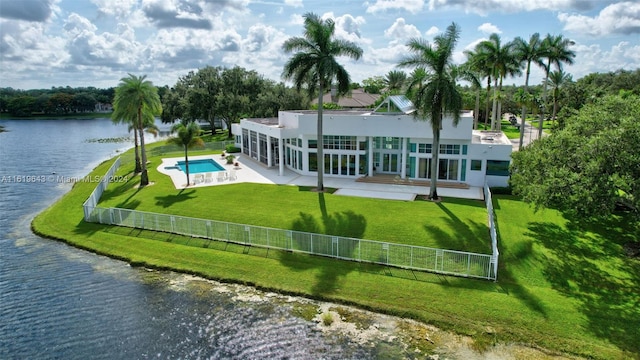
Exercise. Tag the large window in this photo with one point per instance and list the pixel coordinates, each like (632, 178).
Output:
(389, 143)
(498, 167)
(313, 161)
(449, 149)
(340, 142)
(448, 169)
(425, 148)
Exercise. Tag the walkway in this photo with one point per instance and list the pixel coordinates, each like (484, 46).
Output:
(254, 172)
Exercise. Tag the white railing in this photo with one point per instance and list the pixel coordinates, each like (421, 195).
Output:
(448, 262)
(492, 231)
(92, 202)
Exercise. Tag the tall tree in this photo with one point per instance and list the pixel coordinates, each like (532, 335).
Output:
(501, 58)
(395, 81)
(588, 168)
(479, 62)
(134, 98)
(438, 94)
(315, 63)
(187, 136)
(556, 51)
(527, 52)
(557, 80)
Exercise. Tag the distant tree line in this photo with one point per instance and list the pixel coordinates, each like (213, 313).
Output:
(214, 94)
(54, 101)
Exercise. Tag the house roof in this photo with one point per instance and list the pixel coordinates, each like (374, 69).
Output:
(356, 98)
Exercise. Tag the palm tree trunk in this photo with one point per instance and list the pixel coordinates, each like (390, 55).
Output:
(186, 164)
(144, 176)
(555, 111)
(524, 107)
(494, 106)
(138, 169)
(486, 105)
(435, 151)
(320, 139)
(499, 114)
(544, 99)
(476, 110)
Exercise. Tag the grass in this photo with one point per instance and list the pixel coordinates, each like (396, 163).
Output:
(457, 224)
(564, 286)
(512, 132)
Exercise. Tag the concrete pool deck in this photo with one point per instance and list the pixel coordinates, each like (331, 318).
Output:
(254, 172)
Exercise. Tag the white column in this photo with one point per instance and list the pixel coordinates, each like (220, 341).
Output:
(269, 154)
(370, 160)
(281, 155)
(403, 159)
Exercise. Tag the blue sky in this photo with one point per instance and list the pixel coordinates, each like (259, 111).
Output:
(46, 43)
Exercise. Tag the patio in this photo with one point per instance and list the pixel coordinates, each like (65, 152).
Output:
(253, 172)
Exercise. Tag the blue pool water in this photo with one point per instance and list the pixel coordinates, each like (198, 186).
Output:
(200, 166)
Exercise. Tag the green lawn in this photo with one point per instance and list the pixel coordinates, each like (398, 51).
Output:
(509, 130)
(563, 286)
(455, 224)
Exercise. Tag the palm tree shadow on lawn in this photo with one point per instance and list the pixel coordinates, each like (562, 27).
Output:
(168, 200)
(591, 268)
(345, 224)
(475, 237)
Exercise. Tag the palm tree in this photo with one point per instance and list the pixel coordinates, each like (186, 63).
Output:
(556, 51)
(395, 81)
(315, 63)
(528, 52)
(468, 73)
(136, 99)
(477, 61)
(437, 93)
(187, 136)
(557, 80)
(500, 57)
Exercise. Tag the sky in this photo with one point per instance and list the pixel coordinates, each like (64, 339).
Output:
(82, 43)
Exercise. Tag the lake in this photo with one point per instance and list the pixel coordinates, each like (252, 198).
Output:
(58, 302)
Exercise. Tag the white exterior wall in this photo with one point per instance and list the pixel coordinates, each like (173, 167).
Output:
(366, 126)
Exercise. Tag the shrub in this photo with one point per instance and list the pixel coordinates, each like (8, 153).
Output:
(230, 159)
(327, 319)
(232, 149)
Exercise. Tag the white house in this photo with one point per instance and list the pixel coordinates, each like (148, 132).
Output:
(388, 140)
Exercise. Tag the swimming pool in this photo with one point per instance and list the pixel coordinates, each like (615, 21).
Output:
(200, 166)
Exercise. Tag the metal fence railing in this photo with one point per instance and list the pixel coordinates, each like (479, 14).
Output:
(442, 261)
(92, 202)
(492, 231)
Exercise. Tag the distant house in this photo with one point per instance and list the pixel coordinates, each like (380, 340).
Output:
(102, 107)
(386, 141)
(355, 99)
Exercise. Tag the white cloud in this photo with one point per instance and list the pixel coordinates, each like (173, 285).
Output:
(592, 57)
(620, 18)
(484, 7)
(432, 31)
(489, 28)
(118, 8)
(400, 32)
(293, 3)
(296, 19)
(412, 6)
(348, 27)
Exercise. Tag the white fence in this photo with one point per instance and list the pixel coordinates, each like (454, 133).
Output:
(448, 262)
(492, 231)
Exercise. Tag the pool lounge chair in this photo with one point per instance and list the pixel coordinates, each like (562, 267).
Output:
(232, 175)
(208, 177)
(221, 176)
